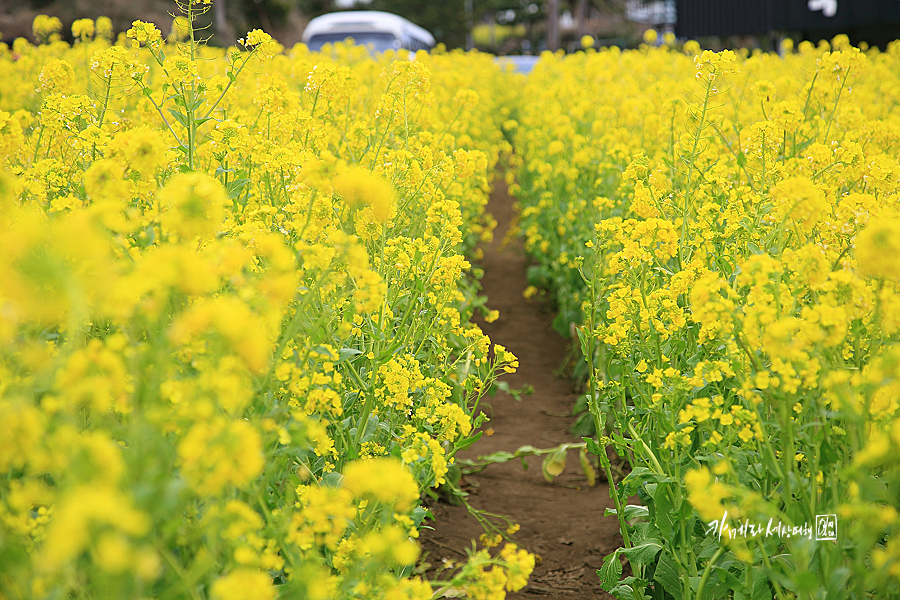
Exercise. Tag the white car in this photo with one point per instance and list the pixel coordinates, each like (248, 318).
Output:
(379, 30)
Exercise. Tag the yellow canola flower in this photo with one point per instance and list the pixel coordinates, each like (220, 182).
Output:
(83, 29)
(80, 509)
(520, 564)
(707, 495)
(104, 27)
(383, 479)
(219, 454)
(46, 28)
(116, 63)
(10, 134)
(260, 42)
(113, 263)
(51, 268)
(243, 584)
(56, 76)
(146, 34)
(358, 186)
(802, 201)
(193, 204)
(878, 249)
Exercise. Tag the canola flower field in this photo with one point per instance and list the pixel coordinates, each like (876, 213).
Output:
(724, 229)
(236, 293)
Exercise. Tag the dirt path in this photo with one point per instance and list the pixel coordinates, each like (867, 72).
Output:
(563, 521)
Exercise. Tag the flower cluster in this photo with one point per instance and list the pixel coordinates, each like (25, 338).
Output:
(235, 313)
(722, 229)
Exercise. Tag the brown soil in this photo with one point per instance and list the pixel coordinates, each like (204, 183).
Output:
(563, 521)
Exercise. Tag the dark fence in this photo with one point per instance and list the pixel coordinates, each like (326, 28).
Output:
(822, 18)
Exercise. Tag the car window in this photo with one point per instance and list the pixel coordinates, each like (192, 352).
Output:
(379, 42)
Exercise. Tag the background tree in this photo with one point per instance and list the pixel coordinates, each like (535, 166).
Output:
(445, 20)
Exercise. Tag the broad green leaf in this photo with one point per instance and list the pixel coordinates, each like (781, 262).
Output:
(630, 588)
(632, 511)
(611, 570)
(644, 553)
(667, 575)
(664, 511)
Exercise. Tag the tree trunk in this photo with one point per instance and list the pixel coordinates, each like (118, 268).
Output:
(581, 18)
(553, 25)
(220, 21)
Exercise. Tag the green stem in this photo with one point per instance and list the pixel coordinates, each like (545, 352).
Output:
(707, 572)
(765, 557)
(231, 81)
(834, 110)
(102, 114)
(163, 117)
(690, 175)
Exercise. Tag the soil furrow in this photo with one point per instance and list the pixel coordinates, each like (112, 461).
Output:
(562, 521)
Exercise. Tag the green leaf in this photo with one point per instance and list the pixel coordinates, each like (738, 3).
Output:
(837, 584)
(644, 553)
(760, 585)
(632, 511)
(593, 447)
(516, 394)
(344, 354)
(332, 479)
(371, 428)
(611, 570)
(630, 588)
(465, 443)
(708, 547)
(526, 450)
(722, 581)
(664, 512)
(623, 591)
(454, 474)
(178, 117)
(500, 456)
(644, 530)
(583, 338)
(667, 575)
(639, 473)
